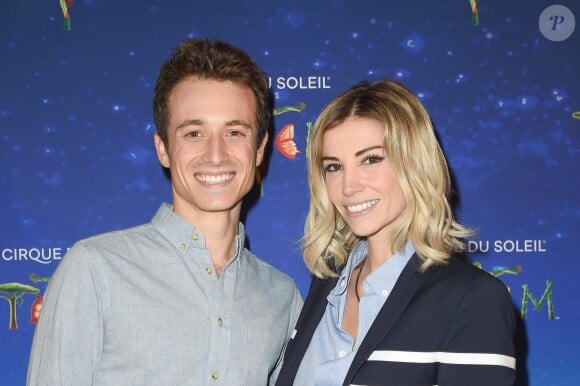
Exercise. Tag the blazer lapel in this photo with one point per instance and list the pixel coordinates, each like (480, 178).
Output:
(310, 316)
(404, 290)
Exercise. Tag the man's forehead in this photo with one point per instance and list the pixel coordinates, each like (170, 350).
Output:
(201, 101)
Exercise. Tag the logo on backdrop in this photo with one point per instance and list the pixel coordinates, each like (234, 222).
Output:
(299, 82)
(507, 246)
(529, 300)
(557, 23)
(45, 255)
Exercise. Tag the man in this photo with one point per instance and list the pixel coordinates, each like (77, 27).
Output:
(180, 300)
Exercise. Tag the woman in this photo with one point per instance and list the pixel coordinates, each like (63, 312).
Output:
(390, 302)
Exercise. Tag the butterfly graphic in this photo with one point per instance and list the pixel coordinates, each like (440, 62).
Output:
(285, 142)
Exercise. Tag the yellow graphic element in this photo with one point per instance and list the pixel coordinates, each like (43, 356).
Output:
(285, 109)
(309, 128)
(38, 279)
(576, 114)
(498, 271)
(474, 12)
(13, 293)
(64, 4)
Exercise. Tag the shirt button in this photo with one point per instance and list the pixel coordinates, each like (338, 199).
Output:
(214, 376)
(182, 246)
(208, 270)
(220, 322)
(342, 354)
(385, 293)
(194, 236)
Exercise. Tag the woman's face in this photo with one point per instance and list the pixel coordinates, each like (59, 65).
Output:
(360, 180)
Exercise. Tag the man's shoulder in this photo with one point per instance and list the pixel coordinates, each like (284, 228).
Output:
(111, 245)
(113, 236)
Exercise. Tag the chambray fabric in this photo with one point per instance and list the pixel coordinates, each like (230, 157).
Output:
(332, 349)
(143, 306)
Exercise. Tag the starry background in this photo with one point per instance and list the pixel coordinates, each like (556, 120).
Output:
(77, 156)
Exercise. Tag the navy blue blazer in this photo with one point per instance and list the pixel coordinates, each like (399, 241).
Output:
(450, 325)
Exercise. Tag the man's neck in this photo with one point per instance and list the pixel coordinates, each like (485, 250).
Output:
(219, 229)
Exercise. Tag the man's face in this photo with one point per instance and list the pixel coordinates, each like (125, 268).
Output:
(212, 150)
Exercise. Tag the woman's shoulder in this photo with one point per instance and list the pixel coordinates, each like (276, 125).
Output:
(459, 271)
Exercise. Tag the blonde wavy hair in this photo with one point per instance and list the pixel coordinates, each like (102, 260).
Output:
(413, 150)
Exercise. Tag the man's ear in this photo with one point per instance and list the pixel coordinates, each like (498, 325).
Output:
(261, 150)
(162, 154)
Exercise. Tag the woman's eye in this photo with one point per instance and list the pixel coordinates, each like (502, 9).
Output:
(372, 159)
(331, 168)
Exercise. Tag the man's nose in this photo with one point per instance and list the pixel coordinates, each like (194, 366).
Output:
(215, 153)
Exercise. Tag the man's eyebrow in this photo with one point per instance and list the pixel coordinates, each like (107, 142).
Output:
(239, 122)
(189, 122)
(200, 122)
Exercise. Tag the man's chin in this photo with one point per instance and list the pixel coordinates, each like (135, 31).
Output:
(220, 206)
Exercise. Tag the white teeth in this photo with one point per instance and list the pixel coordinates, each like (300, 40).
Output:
(212, 179)
(360, 207)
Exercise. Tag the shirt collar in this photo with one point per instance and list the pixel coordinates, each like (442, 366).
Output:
(357, 254)
(388, 272)
(386, 275)
(183, 236)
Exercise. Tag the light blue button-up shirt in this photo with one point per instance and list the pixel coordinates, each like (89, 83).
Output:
(144, 306)
(332, 349)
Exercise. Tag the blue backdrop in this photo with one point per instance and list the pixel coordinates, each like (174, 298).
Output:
(77, 154)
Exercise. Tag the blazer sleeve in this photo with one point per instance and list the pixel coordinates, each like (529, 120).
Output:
(479, 347)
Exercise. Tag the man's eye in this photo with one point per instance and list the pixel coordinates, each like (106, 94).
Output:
(192, 134)
(236, 133)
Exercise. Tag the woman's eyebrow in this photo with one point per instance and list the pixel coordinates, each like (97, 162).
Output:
(357, 154)
(360, 152)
